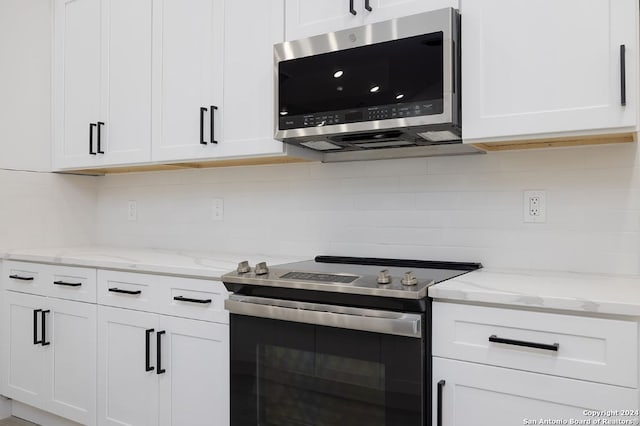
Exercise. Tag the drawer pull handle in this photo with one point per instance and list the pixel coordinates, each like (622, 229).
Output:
(118, 290)
(18, 277)
(147, 350)
(495, 339)
(67, 284)
(188, 299)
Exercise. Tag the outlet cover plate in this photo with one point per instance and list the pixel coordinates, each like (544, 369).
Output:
(534, 206)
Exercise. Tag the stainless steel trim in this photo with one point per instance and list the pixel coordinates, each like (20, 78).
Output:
(444, 20)
(376, 321)
(361, 286)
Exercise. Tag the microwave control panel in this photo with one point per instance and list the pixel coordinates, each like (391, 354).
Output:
(384, 112)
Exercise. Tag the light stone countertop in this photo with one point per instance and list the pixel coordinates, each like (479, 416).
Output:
(579, 292)
(548, 290)
(210, 265)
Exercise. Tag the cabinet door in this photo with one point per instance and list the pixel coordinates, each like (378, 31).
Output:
(194, 389)
(76, 80)
(127, 392)
(188, 60)
(382, 10)
(25, 368)
(525, 71)
(71, 364)
(249, 77)
(126, 81)
(483, 395)
(305, 18)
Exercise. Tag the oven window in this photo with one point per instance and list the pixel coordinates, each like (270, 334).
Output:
(296, 385)
(291, 374)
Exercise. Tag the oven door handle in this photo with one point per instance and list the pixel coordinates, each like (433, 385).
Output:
(376, 321)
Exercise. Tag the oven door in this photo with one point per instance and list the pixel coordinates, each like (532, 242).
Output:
(296, 363)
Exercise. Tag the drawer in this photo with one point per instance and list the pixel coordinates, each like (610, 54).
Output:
(183, 297)
(594, 349)
(72, 283)
(128, 290)
(25, 277)
(64, 282)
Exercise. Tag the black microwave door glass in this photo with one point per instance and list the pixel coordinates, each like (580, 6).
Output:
(404, 71)
(285, 373)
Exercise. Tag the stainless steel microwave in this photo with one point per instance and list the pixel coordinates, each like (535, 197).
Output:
(392, 86)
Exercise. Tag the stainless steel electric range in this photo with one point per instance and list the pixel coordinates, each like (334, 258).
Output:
(335, 341)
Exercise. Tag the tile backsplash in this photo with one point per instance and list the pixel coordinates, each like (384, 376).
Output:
(466, 208)
(46, 209)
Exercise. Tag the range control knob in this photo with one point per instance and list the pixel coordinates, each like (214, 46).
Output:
(409, 278)
(261, 269)
(384, 277)
(243, 267)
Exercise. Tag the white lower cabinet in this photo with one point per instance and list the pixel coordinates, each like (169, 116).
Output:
(500, 366)
(50, 353)
(476, 394)
(161, 370)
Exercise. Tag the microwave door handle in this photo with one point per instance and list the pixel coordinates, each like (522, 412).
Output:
(382, 322)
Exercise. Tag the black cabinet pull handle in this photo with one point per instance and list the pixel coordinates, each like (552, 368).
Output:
(213, 138)
(441, 384)
(91, 126)
(18, 277)
(351, 9)
(67, 284)
(367, 6)
(159, 352)
(117, 290)
(623, 76)
(100, 151)
(147, 350)
(202, 111)
(35, 326)
(188, 299)
(44, 328)
(495, 339)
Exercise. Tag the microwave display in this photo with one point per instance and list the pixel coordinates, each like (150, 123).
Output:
(394, 79)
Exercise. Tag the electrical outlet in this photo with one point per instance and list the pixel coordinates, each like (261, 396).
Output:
(217, 209)
(535, 207)
(132, 211)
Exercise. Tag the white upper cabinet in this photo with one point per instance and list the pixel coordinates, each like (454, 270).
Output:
(305, 18)
(102, 82)
(188, 55)
(548, 68)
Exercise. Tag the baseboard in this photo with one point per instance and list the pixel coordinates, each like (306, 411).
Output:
(40, 417)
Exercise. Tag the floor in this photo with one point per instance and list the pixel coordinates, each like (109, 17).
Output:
(14, 421)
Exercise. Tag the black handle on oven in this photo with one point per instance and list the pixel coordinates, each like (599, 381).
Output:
(495, 339)
(67, 284)
(91, 126)
(99, 125)
(202, 111)
(188, 299)
(623, 76)
(147, 349)
(117, 290)
(44, 328)
(368, 6)
(35, 326)
(18, 277)
(441, 384)
(351, 9)
(159, 352)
